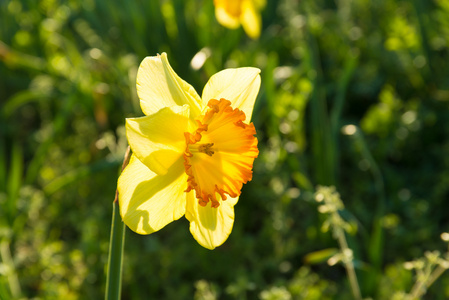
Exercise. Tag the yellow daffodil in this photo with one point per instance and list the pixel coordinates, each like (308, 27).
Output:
(233, 13)
(191, 155)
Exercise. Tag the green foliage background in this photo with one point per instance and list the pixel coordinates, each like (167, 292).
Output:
(67, 83)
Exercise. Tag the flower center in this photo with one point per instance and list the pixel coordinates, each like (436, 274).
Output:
(202, 148)
(219, 154)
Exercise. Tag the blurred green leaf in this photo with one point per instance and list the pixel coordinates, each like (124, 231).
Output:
(320, 256)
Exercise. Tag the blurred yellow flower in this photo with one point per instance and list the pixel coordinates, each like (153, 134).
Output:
(191, 155)
(232, 13)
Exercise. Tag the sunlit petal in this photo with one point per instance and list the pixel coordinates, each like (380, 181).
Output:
(240, 86)
(149, 201)
(159, 86)
(210, 226)
(251, 19)
(228, 13)
(158, 139)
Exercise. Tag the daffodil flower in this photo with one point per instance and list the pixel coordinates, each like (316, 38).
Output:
(233, 13)
(191, 155)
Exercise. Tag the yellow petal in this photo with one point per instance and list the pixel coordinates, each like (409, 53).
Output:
(158, 139)
(149, 201)
(240, 86)
(228, 14)
(159, 86)
(210, 226)
(251, 19)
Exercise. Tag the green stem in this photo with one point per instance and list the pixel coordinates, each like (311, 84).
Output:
(375, 251)
(13, 280)
(375, 170)
(348, 71)
(421, 286)
(435, 275)
(116, 245)
(115, 261)
(321, 141)
(349, 265)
